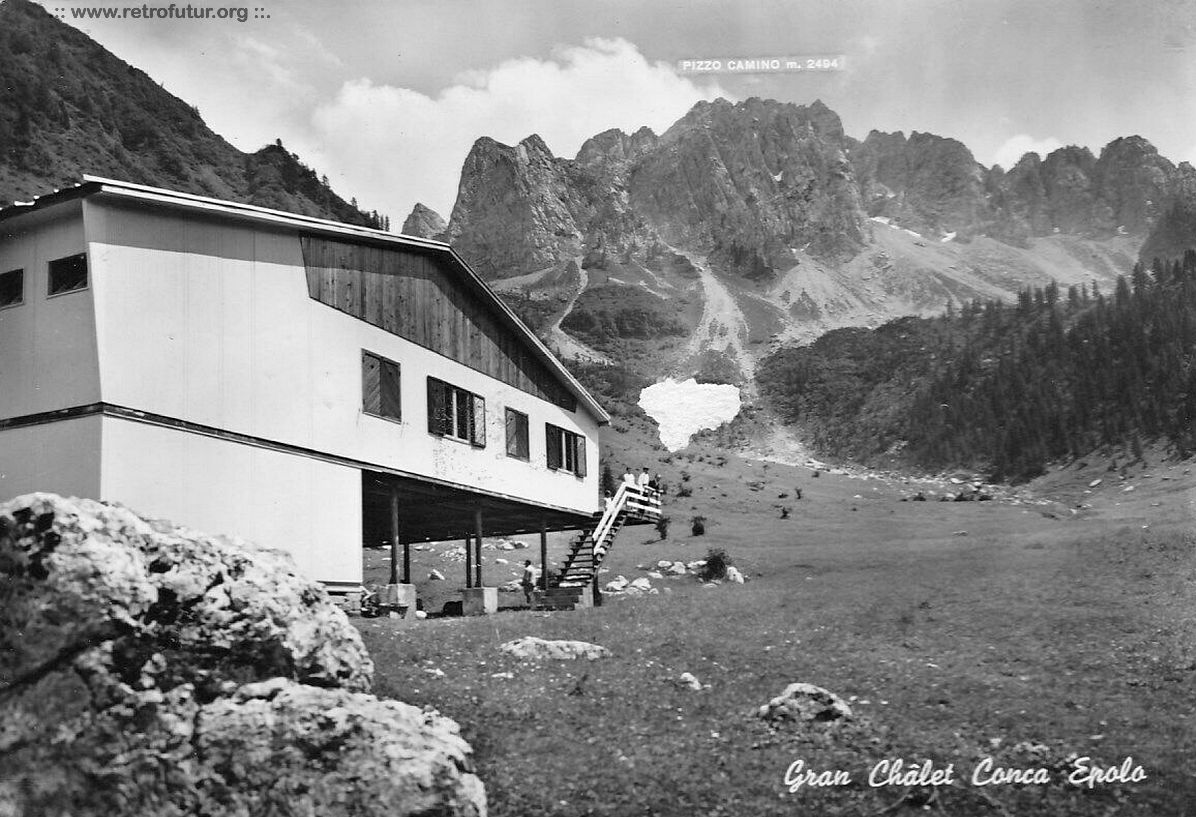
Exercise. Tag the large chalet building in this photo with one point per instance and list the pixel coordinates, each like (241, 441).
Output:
(301, 383)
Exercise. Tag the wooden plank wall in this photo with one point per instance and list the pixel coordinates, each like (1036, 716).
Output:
(416, 297)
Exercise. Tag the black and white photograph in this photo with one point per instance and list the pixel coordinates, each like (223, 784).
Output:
(597, 409)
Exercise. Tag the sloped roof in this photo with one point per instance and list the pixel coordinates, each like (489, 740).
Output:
(156, 196)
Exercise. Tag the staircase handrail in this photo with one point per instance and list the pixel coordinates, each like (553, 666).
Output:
(610, 514)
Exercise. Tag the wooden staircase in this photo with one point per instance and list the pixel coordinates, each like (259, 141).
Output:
(575, 584)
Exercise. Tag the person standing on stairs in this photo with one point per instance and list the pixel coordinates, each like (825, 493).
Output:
(643, 480)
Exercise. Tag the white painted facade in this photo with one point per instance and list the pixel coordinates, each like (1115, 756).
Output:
(197, 313)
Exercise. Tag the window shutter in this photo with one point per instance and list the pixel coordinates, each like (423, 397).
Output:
(552, 439)
(580, 442)
(370, 383)
(512, 434)
(437, 407)
(477, 422)
(390, 395)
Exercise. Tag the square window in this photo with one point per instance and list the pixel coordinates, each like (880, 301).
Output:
(68, 274)
(456, 413)
(12, 288)
(566, 451)
(380, 393)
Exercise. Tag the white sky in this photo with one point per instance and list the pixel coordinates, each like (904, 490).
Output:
(386, 98)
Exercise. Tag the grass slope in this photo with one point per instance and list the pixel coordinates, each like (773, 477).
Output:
(1037, 635)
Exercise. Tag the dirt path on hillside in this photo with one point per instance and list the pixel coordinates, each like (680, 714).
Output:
(567, 345)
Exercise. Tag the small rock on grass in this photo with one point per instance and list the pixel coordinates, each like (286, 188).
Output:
(532, 648)
(805, 702)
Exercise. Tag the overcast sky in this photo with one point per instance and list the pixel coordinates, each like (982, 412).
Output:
(386, 98)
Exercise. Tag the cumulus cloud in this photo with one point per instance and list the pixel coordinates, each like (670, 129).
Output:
(394, 146)
(1014, 148)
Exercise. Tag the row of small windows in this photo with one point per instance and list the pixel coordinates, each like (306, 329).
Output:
(461, 415)
(65, 275)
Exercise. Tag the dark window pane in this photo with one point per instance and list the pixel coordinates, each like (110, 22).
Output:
(438, 406)
(67, 274)
(463, 406)
(552, 440)
(12, 288)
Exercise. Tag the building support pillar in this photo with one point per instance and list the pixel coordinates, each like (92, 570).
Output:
(477, 522)
(394, 537)
(468, 562)
(399, 596)
(543, 553)
(478, 600)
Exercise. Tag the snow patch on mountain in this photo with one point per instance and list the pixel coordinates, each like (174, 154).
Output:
(682, 408)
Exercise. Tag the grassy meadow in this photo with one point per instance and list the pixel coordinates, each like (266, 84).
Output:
(1031, 633)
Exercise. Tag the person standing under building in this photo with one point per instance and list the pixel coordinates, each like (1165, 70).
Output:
(528, 582)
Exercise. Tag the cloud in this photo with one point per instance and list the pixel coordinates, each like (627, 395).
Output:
(393, 146)
(1014, 148)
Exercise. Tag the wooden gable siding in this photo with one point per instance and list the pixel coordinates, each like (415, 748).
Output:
(415, 297)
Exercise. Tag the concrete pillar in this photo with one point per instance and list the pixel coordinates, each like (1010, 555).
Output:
(543, 554)
(394, 538)
(468, 562)
(479, 601)
(477, 522)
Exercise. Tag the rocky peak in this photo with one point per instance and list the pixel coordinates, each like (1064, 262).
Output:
(751, 183)
(1174, 232)
(424, 222)
(1134, 181)
(615, 148)
(512, 214)
(924, 182)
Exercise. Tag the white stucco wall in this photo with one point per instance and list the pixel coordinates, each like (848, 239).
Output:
(308, 508)
(211, 322)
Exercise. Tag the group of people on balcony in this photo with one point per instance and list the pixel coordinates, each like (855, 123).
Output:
(649, 486)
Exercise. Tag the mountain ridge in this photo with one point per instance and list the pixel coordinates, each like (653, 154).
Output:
(69, 107)
(806, 228)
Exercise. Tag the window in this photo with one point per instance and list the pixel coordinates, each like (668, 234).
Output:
(68, 274)
(566, 450)
(12, 288)
(456, 413)
(380, 387)
(517, 436)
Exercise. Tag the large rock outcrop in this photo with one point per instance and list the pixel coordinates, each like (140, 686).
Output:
(424, 222)
(147, 669)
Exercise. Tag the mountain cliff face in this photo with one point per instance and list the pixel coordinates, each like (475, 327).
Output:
(1175, 231)
(424, 222)
(69, 107)
(760, 222)
(926, 183)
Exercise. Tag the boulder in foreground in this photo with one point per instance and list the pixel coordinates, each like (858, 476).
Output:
(147, 669)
